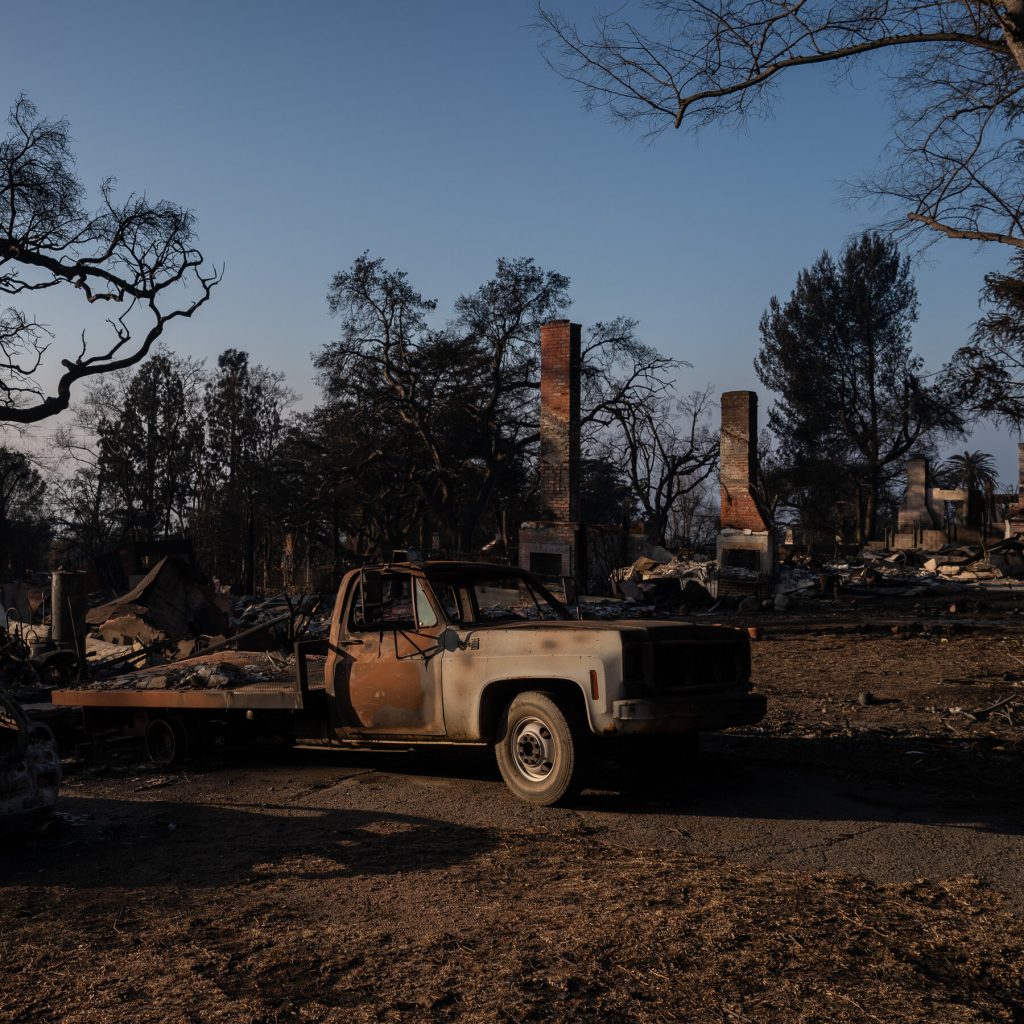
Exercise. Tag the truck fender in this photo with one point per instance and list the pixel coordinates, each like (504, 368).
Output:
(498, 693)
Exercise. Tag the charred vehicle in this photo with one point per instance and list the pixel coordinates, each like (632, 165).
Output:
(29, 769)
(464, 653)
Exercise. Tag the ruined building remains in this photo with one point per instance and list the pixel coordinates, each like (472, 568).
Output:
(555, 545)
(1015, 513)
(746, 544)
(931, 517)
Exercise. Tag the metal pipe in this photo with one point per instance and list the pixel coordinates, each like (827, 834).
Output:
(68, 602)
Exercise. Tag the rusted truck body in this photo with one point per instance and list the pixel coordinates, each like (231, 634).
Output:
(466, 653)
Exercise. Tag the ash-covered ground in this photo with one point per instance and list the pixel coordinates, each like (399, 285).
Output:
(839, 862)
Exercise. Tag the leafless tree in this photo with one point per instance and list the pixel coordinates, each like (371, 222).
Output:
(667, 449)
(135, 255)
(466, 396)
(955, 67)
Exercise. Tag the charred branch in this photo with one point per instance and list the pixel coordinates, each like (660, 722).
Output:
(137, 255)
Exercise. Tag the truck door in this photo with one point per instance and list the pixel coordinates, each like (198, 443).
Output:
(387, 665)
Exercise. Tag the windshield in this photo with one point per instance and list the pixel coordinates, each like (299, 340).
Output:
(479, 598)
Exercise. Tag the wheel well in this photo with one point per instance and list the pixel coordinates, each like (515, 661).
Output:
(497, 696)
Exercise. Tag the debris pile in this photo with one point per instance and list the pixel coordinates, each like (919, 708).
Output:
(676, 582)
(171, 601)
(171, 614)
(225, 671)
(950, 568)
(649, 587)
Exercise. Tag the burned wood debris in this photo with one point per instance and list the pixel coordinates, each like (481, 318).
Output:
(172, 631)
(215, 671)
(682, 586)
(172, 615)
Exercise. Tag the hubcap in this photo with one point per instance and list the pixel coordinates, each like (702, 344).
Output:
(533, 749)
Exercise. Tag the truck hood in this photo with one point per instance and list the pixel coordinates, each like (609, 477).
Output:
(631, 630)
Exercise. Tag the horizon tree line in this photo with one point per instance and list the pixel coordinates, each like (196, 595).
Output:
(426, 436)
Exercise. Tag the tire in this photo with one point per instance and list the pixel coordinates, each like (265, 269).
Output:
(57, 670)
(540, 749)
(166, 742)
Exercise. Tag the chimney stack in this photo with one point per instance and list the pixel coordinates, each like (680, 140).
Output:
(555, 545)
(560, 420)
(740, 508)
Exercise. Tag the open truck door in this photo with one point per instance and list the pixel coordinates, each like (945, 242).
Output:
(385, 660)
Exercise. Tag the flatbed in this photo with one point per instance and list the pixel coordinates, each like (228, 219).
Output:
(255, 696)
(175, 718)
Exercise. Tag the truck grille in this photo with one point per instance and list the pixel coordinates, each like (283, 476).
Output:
(698, 666)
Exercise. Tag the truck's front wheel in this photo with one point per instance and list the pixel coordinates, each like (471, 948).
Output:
(540, 750)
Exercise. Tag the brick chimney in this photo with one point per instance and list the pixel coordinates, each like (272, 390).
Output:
(556, 544)
(560, 420)
(741, 509)
(916, 510)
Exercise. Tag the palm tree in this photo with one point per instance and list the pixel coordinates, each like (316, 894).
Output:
(972, 471)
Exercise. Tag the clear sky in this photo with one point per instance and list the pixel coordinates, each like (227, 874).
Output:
(433, 134)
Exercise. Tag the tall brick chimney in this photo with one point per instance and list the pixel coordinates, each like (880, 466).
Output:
(556, 545)
(560, 420)
(741, 509)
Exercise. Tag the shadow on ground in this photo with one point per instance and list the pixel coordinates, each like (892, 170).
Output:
(829, 778)
(101, 842)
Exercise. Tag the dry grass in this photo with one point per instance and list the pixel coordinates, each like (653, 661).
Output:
(540, 929)
(209, 911)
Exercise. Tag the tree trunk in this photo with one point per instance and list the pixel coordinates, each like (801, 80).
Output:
(250, 554)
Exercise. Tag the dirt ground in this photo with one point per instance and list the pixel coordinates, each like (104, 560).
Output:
(839, 862)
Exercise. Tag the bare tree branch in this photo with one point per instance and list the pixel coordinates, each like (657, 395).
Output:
(956, 73)
(137, 255)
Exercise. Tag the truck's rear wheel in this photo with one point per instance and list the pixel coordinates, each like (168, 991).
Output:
(540, 750)
(166, 741)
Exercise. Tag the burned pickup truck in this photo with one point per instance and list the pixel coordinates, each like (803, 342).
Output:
(464, 653)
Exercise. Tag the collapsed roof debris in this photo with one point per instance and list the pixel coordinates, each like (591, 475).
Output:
(171, 599)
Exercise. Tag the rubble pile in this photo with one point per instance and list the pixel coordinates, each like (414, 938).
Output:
(680, 586)
(679, 582)
(1002, 563)
(171, 615)
(224, 672)
(169, 603)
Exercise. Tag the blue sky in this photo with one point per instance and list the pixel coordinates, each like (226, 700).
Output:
(433, 134)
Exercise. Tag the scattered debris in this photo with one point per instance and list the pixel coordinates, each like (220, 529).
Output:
(170, 602)
(223, 670)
